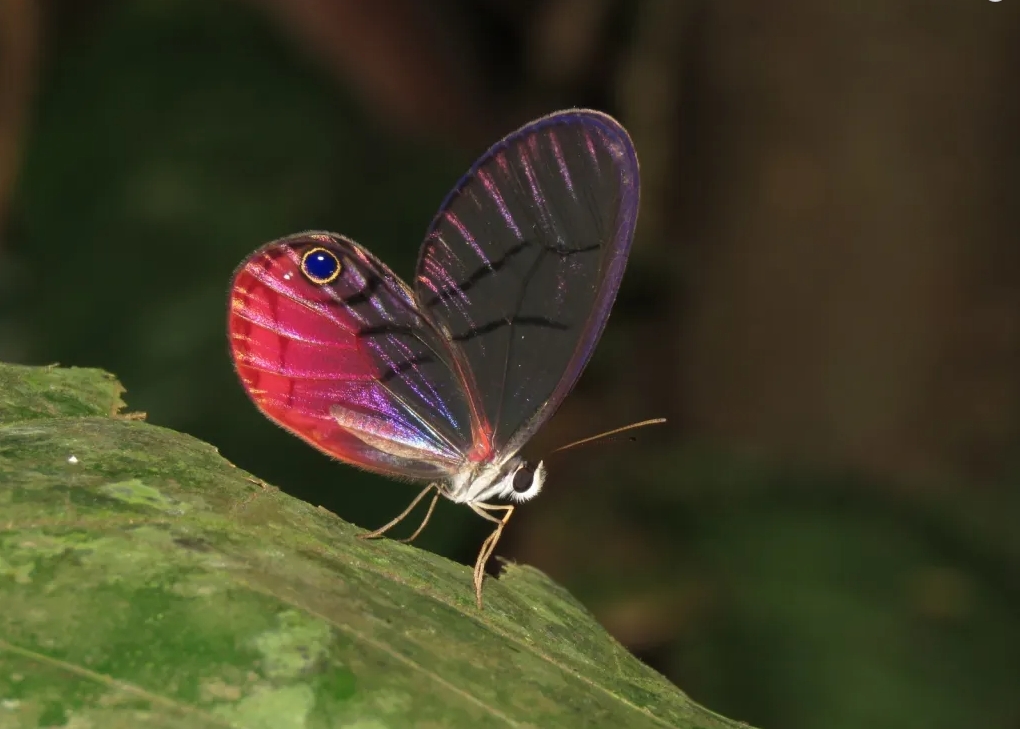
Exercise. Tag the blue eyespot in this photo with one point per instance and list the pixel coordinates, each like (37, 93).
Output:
(320, 266)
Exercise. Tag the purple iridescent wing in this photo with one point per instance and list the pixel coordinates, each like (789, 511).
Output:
(330, 344)
(523, 261)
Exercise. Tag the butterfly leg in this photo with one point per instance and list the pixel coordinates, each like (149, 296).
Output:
(489, 545)
(428, 515)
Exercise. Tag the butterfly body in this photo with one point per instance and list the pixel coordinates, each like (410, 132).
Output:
(444, 381)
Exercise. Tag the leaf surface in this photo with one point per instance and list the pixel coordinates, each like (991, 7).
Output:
(144, 580)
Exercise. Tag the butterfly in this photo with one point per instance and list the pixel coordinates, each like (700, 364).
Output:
(445, 380)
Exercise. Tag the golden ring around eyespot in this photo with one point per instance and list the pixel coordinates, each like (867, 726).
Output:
(316, 279)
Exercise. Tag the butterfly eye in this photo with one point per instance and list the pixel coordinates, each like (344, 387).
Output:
(522, 479)
(320, 266)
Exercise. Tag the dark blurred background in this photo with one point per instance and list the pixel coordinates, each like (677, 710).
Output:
(823, 298)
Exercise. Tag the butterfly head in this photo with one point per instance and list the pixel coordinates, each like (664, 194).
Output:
(516, 480)
(526, 480)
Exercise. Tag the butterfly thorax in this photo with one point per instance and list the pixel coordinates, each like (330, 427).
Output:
(514, 479)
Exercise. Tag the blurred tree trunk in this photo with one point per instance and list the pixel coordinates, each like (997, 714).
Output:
(19, 36)
(856, 293)
(412, 66)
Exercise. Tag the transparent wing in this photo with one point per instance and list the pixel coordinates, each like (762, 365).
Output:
(523, 261)
(348, 364)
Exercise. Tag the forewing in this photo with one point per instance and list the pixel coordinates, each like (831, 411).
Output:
(349, 365)
(522, 264)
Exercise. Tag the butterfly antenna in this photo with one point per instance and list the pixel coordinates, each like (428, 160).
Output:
(609, 434)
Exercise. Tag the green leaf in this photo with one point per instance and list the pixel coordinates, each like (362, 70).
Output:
(27, 393)
(144, 580)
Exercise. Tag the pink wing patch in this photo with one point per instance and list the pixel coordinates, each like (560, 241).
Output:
(340, 364)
